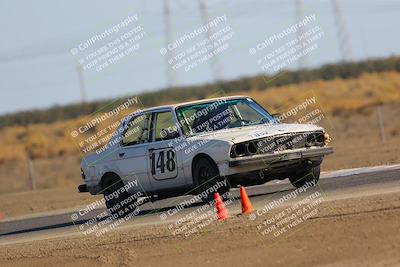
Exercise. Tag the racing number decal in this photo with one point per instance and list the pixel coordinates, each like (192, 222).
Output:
(163, 164)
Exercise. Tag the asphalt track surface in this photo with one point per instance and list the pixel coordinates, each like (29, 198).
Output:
(334, 185)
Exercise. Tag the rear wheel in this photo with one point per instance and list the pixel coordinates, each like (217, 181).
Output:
(208, 181)
(117, 199)
(309, 176)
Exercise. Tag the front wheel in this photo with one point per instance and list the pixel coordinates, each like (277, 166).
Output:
(208, 181)
(303, 177)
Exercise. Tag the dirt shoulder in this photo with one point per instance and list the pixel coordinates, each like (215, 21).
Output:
(352, 232)
(28, 203)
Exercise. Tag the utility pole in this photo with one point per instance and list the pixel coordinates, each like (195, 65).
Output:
(342, 35)
(82, 89)
(299, 15)
(167, 22)
(380, 123)
(215, 66)
(31, 174)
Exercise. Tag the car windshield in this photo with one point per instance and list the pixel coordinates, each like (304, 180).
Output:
(221, 114)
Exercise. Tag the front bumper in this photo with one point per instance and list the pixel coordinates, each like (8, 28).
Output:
(82, 188)
(295, 154)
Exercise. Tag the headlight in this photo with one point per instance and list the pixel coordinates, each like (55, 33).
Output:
(315, 139)
(238, 150)
(251, 148)
(244, 149)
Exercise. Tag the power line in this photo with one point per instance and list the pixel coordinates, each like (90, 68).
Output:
(342, 35)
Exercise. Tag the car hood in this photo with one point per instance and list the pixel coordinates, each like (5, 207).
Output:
(246, 133)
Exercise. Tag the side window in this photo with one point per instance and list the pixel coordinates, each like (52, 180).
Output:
(136, 131)
(165, 127)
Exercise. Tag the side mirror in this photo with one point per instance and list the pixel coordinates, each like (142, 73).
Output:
(169, 134)
(173, 135)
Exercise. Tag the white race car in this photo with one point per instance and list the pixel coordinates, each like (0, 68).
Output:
(201, 147)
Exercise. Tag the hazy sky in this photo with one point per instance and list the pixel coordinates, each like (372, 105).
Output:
(37, 69)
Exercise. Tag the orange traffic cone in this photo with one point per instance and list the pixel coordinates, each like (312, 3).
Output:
(222, 212)
(246, 204)
(1, 216)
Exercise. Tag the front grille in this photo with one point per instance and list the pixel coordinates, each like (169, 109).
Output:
(278, 143)
(282, 142)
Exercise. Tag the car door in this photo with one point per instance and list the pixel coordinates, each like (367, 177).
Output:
(164, 160)
(132, 152)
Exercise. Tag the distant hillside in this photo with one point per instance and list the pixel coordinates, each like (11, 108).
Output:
(259, 82)
(338, 98)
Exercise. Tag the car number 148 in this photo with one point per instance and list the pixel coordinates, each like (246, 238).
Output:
(163, 164)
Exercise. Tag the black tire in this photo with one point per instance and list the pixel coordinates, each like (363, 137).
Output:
(206, 175)
(301, 178)
(115, 201)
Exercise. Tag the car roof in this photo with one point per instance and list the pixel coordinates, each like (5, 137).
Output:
(194, 102)
(173, 106)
